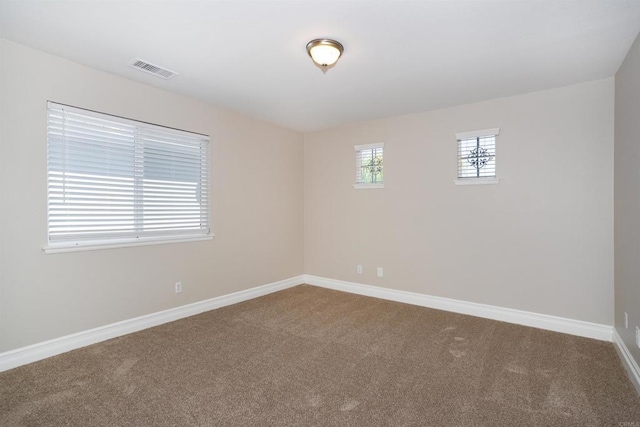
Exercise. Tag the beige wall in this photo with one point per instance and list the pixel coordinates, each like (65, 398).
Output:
(541, 240)
(256, 199)
(627, 197)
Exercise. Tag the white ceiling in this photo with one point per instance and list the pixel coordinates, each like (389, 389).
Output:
(400, 56)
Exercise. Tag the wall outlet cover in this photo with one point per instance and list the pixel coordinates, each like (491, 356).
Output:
(626, 320)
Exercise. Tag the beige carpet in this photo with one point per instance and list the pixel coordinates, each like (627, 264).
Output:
(311, 356)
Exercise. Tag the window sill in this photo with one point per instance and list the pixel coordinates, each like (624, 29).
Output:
(475, 181)
(111, 244)
(366, 186)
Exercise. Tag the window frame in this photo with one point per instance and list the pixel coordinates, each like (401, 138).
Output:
(359, 149)
(479, 180)
(171, 236)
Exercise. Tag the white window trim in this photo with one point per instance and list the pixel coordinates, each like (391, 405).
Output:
(90, 245)
(368, 185)
(478, 134)
(364, 186)
(124, 243)
(476, 180)
(368, 146)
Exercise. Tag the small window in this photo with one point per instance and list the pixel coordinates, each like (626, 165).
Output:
(369, 166)
(114, 181)
(477, 157)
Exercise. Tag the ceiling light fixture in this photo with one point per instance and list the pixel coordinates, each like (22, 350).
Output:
(324, 52)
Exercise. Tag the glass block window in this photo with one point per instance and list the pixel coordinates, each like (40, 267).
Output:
(369, 165)
(477, 154)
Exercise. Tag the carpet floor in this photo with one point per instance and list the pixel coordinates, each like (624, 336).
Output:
(309, 356)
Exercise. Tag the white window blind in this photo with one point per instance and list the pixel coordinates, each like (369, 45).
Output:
(114, 179)
(477, 154)
(369, 164)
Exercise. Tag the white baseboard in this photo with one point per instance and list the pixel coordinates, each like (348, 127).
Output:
(628, 361)
(22, 356)
(541, 321)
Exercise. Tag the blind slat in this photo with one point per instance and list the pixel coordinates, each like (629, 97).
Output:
(113, 178)
(369, 163)
(477, 155)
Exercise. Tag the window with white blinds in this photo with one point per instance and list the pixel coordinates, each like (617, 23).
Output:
(369, 165)
(477, 155)
(112, 179)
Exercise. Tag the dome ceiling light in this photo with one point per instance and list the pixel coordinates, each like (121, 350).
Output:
(324, 52)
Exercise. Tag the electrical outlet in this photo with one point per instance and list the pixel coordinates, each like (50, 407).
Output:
(380, 272)
(359, 269)
(638, 337)
(178, 287)
(626, 320)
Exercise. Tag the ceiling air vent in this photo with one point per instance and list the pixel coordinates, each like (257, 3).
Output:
(141, 65)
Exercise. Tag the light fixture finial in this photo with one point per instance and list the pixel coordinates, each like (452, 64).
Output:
(324, 52)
